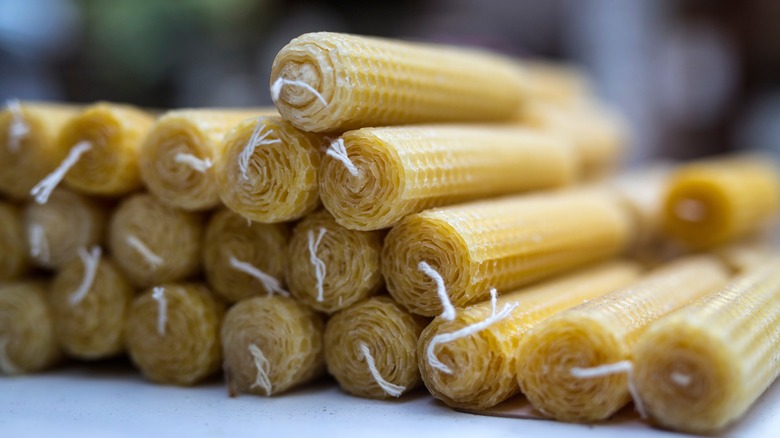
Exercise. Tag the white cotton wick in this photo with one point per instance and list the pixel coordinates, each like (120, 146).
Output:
(197, 164)
(43, 189)
(158, 294)
(449, 310)
(320, 268)
(681, 379)
(467, 331)
(271, 284)
(148, 255)
(263, 368)
(276, 89)
(6, 366)
(90, 260)
(39, 245)
(622, 367)
(602, 370)
(338, 151)
(18, 127)
(690, 210)
(390, 388)
(258, 138)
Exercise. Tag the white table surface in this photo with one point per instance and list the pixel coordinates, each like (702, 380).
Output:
(111, 400)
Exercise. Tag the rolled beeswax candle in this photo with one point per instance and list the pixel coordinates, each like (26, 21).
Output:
(330, 267)
(371, 348)
(702, 367)
(179, 152)
(172, 333)
(243, 258)
(326, 82)
(28, 144)
(458, 253)
(103, 143)
(27, 342)
(715, 201)
(373, 177)
(267, 170)
(57, 229)
(154, 243)
(90, 298)
(271, 344)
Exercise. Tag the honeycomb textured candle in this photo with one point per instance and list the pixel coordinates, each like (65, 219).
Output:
(330, 267)
(172, 333)
(503, 243)
(231, 239)
(325, 82)
(715, 201)
(27, 343)
(598, 135)
(13, 257)
(178, 155)
(480, 368)
(703, 366)
(392, 172)
(744, 256)
(90, 298)
(57, 229)
(642, 190)
(371, 348)
(556, 83)
(271, 344)
(28, 144)
(267, 170)
(109, 166)
(153, 242)
(601, 332)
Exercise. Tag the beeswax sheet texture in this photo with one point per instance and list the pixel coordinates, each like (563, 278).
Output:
(111, 400)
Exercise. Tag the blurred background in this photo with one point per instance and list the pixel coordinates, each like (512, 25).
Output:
(693, 77)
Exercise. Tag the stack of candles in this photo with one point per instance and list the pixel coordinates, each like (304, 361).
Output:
(408, 214)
